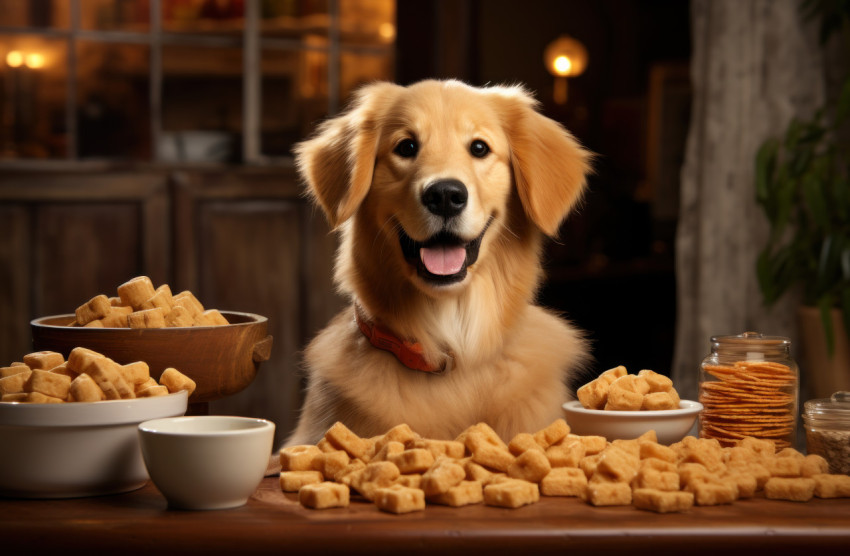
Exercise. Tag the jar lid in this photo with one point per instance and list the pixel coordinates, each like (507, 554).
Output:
(836, 406)
(751, 343)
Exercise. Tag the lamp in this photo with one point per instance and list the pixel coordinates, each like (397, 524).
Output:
(564, 57)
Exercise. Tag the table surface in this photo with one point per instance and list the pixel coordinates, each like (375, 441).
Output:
(274, 522)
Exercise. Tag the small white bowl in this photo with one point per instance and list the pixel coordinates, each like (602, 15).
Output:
(209, 462)
(670, 425)
(77, 449)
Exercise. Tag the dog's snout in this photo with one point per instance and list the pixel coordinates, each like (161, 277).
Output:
(445, 198)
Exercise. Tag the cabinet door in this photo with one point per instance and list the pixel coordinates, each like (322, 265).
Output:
(253, 244)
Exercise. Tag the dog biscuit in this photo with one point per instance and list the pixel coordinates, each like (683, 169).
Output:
(161, 299)
(64, 370)
(372, 477)
(80, 358)
(555, 432)
(13, 384)
(93, 309)
(713, 492)
(298, 458)
(49, 384)
(343, 438)
(292, 481)
(152, 391)
(658, 401)
(15, 397)
(656, 381)
(463, 494)
(136, 291)
(416, 460)
(176, 381)
(658, 464)
(488, 451)
(608, 494)
(566, 453)
(588, 464)
(410, 481)
(136, 373)
(648, 477)
(522, 442)
(117, 317)
(662, 501)
(448, 448)
(44, 360)
(531, 466)
(38, 397)
(511, 493)
(813, 464)
(344, 475)
(441, 476)
(324, 495)
(656, 450)
(746, 482)
(331, 463)
(399, 433)
(399, 499)
(593, 444)
(621, 399)
(831, 486)
(188, 301)
(783, 467)
(147, 384)
(13, 370)
(564, 481)
(613, 374)
(594, 394)
(796, 489)
(389, 448)
(761, 446)
(618, 464)
(631, 383)
(630, 446)
(147, 318)
(211, 317)
(94, 324)
(477, 472)
(179, 317)
(705, 451)
(107, 374)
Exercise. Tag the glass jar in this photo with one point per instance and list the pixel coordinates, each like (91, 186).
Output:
(827, 424)
(749, 386)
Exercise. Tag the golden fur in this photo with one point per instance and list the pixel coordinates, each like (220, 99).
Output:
(510, 357)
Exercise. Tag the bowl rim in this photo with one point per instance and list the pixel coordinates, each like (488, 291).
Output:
(254, 318)
(686, 408)
(150, 427)
(100, 413)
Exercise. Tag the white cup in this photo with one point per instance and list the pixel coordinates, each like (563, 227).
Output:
(209, 462)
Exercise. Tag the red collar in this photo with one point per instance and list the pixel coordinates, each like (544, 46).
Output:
(408, 353)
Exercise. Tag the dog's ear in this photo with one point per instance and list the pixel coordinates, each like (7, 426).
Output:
(338, 161)
(549, 165)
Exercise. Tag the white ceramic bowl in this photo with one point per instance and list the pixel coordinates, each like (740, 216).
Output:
(207, 462)
(670, 425)
(77, 449)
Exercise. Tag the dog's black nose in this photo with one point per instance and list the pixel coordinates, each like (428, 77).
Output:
(445, 198)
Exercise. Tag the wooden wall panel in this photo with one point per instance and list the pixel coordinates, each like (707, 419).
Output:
(15, 283)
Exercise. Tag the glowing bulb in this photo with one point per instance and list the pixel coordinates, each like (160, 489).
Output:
(563, 65)
(387, 31)
(34, 60)
(15, 59)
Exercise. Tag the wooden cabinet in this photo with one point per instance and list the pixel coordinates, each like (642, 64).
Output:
(241, 240)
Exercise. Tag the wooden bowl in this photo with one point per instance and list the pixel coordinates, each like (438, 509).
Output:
(222, 360)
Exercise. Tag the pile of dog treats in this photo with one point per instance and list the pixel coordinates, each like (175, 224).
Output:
(401, 472)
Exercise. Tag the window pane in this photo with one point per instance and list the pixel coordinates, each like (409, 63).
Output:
(294, 19)
(203, 16)
(113, 100)
(201, 103)
(35, 13)
(32, 97)
(115, 15)
(367, 22)
(357, 69)
(294, 97)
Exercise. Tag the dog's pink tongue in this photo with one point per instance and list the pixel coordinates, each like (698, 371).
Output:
(442, 260)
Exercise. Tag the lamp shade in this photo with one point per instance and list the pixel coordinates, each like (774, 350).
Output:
(565, 57)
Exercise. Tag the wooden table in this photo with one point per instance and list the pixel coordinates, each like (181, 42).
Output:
(139, 522)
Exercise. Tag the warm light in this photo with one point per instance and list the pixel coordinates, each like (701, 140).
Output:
(562, 65)
(387, 31)
(34, 60)
(15, 59)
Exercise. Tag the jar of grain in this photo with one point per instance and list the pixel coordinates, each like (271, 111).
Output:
(827, 424)
(749, 386)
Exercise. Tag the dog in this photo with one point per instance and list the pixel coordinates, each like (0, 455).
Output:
(442, 194)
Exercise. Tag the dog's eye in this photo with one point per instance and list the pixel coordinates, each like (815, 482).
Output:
(479, 148)
(407, 148)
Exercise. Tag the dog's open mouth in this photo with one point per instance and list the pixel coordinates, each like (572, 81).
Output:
(442, 259)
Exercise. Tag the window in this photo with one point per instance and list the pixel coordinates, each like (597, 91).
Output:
(181, 81)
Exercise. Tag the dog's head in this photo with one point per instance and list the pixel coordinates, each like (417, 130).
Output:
(433, 174)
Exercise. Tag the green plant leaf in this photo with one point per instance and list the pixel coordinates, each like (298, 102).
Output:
(765, 171)
(845, 308)
(813, 191)
(842, 109)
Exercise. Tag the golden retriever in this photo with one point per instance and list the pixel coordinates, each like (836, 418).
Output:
(442, 195)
